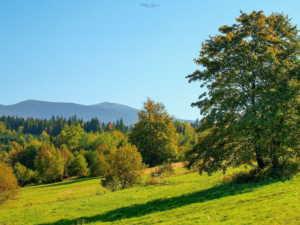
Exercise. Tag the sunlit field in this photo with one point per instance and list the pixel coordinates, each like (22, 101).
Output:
(184, 199)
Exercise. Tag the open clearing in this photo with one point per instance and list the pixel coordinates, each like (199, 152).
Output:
(184, 199)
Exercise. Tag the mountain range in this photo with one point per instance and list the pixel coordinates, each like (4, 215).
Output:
(105, 112)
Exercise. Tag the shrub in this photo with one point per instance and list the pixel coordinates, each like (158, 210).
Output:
(125, 168)
(283, 172)
(9, 188)
(24, 176)
(155, 181)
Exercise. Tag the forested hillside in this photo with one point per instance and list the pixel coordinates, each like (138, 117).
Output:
(55, 125)
(45, 151)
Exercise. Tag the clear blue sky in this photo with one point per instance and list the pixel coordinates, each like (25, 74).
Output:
(94, 51)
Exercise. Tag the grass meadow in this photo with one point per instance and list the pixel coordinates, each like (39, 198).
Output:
(186, 198)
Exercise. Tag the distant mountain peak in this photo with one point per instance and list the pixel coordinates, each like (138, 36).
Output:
(105, 111)
(107, 103)
(111, 104)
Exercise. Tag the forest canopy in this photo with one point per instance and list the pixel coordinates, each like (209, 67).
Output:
(45, 151)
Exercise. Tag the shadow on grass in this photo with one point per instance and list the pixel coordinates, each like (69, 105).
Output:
(164, 204)
(65, 182)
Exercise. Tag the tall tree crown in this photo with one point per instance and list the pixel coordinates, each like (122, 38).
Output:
(251, 73)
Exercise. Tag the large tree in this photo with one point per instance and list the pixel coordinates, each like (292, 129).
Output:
(154, 134)
(251, 106)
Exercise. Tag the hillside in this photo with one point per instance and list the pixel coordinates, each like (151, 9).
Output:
(105, 112)
(185, 199)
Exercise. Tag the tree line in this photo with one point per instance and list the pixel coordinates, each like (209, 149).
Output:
(54, 126)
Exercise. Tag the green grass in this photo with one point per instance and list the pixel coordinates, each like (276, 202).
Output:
(184, 199)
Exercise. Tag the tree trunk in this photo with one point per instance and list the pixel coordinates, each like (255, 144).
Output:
(274, 156)
(260, 161)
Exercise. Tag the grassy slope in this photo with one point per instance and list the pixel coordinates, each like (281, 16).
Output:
(185, 199)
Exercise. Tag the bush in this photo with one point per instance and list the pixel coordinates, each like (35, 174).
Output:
(283, 172)
(125, 168)
(9, 188)
(24, 176)
(155, 181)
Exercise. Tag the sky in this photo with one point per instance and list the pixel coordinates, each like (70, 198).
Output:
(88, 52)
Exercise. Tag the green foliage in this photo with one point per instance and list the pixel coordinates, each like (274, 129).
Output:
(125, 168)
(71, 136)
(9, 188)
(251, 109)
(154, 134)
(105, 141)
(24, 176)
(25, 149)
(29, 153)
(4, 157)
(186, 138)
(256, 175)
(55, 125)
(2, 127)
(67, 158)
(49, 164)
(79, 166)
(99, 165)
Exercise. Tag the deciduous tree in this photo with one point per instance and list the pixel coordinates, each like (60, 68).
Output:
(124, 168)
(79, 166)
(9, 188)
(49, 163)
(251, 106)
(67, 158)
(99, 165)
(154, 134)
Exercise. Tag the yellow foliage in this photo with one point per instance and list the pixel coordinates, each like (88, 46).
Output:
(21, 129)
(9, 188)
(217, 38)
(229, 36)
(44, 134)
